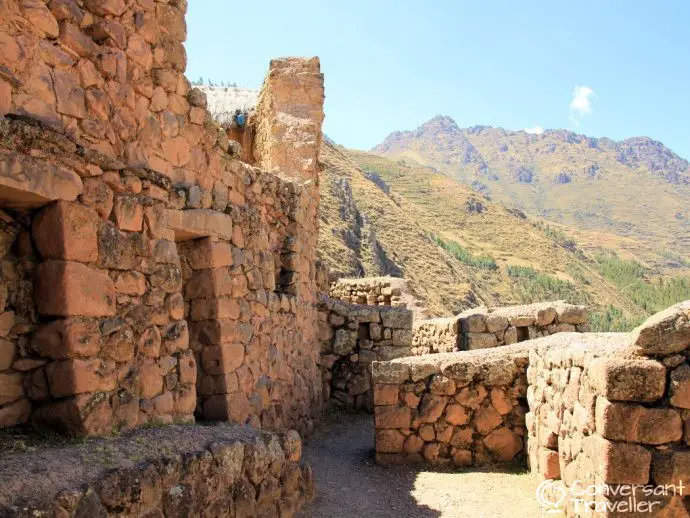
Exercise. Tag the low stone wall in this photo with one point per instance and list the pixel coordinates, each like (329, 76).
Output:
(457, 409)
(483, 328)
(436, 335)
(614, 410)
(374, 291)
(172, 471)
(352, 337)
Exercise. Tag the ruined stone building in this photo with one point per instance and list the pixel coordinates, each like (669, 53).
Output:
(155, 271)
(146, 270)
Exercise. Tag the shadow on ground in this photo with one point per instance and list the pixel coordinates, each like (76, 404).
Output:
(350, 484)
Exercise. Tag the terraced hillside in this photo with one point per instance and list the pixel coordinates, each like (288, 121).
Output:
(457, 248)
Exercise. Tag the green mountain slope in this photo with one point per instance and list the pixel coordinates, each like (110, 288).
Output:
(457, 248)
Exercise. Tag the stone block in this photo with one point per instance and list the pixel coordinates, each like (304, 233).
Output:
(495, 323)
(486, 419)
(131, 283)
(545, 316)
(222, 359)
(549, 466)
(11, 387)
(397, 318)
(196, 223)
(473, 323)
(27, 182)
(431, 408)
(150, 379)
(635, 423)
(671, 467)
(67, 338)
(622, 379)
(206, 253)
(664, 333)
(572, 314)
(128, 213)
(212, 308)
(385, 394)
(68, 231)
(389, 441)
(503, 444)
(15, 413)
(457, 415)
(227, 407)
(75, 376)
(7, 353)
(680, 386)
(621, 462)
(392, 416)
(481, 341)
(67, 288)
(402, 337)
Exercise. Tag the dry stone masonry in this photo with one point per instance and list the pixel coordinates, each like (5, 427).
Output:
(152, 271)
(456, 409)
(484, 328)
(381, 291)
(148, 274)
(170, 471)
(614, 409)
(352, 337)
(608, 412)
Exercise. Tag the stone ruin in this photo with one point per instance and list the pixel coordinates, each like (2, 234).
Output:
(148, 275)
(158, 269)
(583, 410)
(167, 274)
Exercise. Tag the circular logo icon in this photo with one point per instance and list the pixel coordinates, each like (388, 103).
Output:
(550, 495)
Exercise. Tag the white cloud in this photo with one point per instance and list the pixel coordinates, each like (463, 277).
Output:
(581, 103)
(537, 130)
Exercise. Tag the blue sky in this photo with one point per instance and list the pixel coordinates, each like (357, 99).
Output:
(603, 68)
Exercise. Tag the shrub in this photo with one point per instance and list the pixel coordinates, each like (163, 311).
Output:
(613, 320)
(463, 255)
(532, 286)
(633, 279)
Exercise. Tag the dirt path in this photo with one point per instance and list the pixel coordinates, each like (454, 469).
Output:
(350, 485)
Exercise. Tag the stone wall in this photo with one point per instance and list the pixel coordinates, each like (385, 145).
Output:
(163, 268)
(608, 413)
(352, 337)
(483, 328)
(374, 291)
(613, 410)
(177, 470)
(456, 409)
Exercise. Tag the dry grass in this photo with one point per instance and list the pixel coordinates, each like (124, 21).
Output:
(423, 204)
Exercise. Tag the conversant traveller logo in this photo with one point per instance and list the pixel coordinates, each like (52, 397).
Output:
(601, 498)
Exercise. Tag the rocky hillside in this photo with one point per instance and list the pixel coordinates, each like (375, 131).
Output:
(633, 192)
(457, 248)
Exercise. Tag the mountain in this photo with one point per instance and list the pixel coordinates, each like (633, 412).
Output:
(457, 248)
(636, 191)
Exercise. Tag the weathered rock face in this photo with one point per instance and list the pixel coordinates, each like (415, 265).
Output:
(485, 328)
(353, 336)
(171, 471)
(170, 279)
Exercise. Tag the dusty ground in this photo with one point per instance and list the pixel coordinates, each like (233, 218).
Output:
(349, 484)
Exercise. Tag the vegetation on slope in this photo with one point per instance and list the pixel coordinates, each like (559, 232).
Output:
(457, 248)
